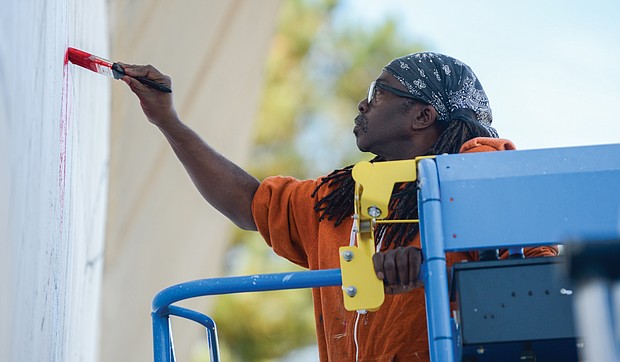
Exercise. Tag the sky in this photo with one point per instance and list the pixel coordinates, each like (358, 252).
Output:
(550, 68)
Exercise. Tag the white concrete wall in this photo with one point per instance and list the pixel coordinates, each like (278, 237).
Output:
(54, 130)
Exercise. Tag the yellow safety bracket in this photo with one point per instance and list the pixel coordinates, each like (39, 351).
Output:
(374, 183)
(360, 287)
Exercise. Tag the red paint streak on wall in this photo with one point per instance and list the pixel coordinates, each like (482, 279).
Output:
(65, 117)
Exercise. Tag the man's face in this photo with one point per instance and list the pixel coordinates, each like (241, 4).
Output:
(383, 126)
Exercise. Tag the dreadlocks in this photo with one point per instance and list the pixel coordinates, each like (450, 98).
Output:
(337, 205)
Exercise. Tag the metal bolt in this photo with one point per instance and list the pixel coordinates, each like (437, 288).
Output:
(351, 291)
(347, 255)
(374, 211)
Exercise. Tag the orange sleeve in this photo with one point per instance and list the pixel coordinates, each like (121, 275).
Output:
(551, 250)
(487, 144)
(283, 211)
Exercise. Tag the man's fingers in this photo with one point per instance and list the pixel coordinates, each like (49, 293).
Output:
(377, 261)
(415, 259)
(398, 268)
(402, 265)
(389, 268)
(146, 71)
(139, 70)
(135, 86)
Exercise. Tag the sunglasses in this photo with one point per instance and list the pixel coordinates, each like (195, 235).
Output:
(372, 90)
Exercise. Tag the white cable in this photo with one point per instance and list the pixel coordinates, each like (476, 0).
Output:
(357, 318)
(357, 351)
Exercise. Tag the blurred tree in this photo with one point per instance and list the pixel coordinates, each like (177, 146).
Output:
(319, 68)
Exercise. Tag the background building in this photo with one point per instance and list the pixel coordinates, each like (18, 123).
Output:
(160, 231)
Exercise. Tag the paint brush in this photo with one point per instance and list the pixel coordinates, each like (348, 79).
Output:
(106, 67)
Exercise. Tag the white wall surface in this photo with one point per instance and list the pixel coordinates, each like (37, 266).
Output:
(54, 127)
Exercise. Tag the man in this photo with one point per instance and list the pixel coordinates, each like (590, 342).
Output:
(422, 103)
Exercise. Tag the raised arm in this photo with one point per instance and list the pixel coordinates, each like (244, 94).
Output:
(222, 183)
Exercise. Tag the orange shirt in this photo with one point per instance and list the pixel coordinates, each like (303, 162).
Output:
(284, 214)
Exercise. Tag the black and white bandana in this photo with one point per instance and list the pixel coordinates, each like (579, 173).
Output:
(444, 82)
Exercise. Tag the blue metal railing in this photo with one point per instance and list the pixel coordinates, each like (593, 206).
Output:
(163, 308)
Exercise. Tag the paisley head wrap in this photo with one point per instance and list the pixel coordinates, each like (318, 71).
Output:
(447, 84)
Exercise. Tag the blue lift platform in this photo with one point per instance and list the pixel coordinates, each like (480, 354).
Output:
(486, 201)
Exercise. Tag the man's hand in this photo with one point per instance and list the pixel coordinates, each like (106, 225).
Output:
(157, 106)
(399, 269)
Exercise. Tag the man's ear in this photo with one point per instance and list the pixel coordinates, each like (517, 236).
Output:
(424, 116)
